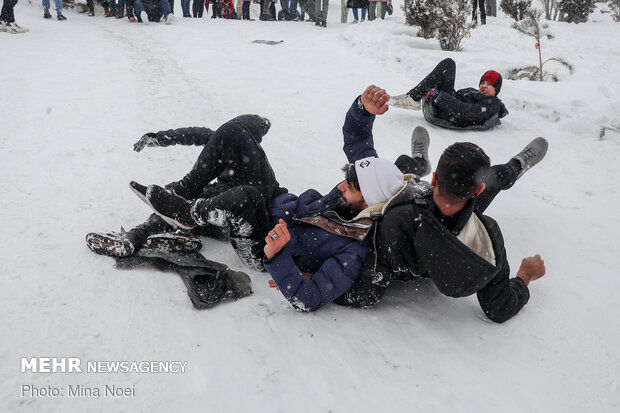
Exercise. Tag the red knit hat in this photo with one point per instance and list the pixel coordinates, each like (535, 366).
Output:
(493, 78)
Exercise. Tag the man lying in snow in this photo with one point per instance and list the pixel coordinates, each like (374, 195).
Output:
(464, 108)
(325, 236)
(438, 231)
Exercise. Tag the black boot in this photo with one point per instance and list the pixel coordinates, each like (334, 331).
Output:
(173, 209)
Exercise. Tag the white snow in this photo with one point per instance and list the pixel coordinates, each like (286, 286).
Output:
(76, 95)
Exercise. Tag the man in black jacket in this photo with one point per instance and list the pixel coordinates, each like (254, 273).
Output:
(438, 231)
(462, 108)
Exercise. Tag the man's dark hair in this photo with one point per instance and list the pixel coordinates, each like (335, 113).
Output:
(350, 175)
(461, 170)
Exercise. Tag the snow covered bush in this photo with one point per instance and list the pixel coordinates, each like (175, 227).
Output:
(614, 6)
(447, 20)
(422, 13)
(530, 26)
(576, 11)
(515, 8)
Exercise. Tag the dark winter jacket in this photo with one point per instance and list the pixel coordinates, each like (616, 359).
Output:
(467, 107)
(463, 254)
(358, 4)
(334, 259)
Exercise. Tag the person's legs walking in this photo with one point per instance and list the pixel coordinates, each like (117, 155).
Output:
(7, 15)
(372, 8)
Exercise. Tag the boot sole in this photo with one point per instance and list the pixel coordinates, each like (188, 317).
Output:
(171, 244)
(104, 245)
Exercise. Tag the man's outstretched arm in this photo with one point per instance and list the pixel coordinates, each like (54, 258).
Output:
(182, 136)
(504, 297)
(357, 129)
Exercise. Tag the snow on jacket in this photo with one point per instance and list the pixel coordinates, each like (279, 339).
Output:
(468, 258)
(467, 107)
(334, 260)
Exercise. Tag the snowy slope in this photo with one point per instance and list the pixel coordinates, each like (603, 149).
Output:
(78, 94)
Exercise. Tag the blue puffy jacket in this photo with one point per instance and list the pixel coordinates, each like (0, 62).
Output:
(335, 261)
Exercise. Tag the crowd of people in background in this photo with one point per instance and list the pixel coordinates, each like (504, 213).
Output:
(146, 11)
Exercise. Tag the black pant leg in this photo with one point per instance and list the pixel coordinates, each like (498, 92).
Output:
(500, 178)
(442, 78)
(408, 165)
(233, 155)
(7, 15)
(153, 225)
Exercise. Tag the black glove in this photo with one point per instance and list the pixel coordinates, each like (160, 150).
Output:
(148, 139)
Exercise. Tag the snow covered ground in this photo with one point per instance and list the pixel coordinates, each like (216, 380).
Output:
(78, 94)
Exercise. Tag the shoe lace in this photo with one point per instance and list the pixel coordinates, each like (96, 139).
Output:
(418, 148)
(528, 155)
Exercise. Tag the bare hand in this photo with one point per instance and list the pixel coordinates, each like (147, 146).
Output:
(276, 239)
(375, 100)
(532, 268)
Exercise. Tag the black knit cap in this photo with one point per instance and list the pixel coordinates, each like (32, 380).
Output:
(493, 78)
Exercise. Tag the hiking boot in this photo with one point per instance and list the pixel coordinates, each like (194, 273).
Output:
(173, 209)
(533, 153)
(144, 17)
(419, 148)
(46, 14)
(112, 244)
(120, 15)
(404, 101)
(60, 17)
(91, 11)
(174, 242)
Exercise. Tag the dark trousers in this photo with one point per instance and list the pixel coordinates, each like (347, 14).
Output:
(198, 7)
(7, 11)
(442, 77)
(480, 4)
(245, 10)
(238, 203)
(155, 11)
(370, 286)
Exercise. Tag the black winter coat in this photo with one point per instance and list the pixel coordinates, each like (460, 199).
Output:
(410, 240)
(358, 4)
(467, 107)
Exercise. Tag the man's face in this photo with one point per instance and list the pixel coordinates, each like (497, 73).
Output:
(351, 197)
(486, 88)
